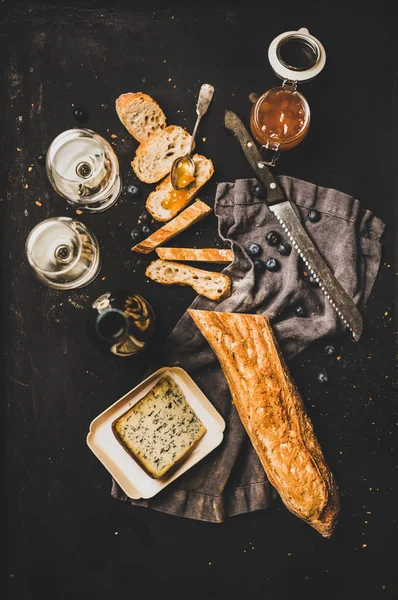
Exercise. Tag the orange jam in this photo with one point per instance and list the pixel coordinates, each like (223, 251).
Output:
(280, 116)
(185, 180)
(183, 173)
(175, 200)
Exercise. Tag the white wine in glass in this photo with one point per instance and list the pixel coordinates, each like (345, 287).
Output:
(63, 253)
(83, 168)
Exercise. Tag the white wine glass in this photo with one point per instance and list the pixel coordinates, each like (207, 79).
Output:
(63, 253)
(83, 168)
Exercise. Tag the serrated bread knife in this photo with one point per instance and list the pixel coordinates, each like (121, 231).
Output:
(288, 217)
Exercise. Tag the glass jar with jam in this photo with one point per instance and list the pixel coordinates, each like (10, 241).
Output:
(280, 118)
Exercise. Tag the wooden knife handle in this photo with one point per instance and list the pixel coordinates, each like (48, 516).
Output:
(262, 172)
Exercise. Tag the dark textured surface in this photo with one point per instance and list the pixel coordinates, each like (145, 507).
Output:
(66, 536)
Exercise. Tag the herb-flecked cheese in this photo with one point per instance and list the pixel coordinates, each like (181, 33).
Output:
(160, 429)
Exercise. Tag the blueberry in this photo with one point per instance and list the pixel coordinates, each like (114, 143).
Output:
(300, 311)
(259, 191)
(146, 229)
(323, 377)
(133, 190)
(145, 217)
(272, 238)
(254, 250)
(284, 248)
(136, 235)
(272, 264)
(41, 159)
(259, 265)
(79, 114)
(330, 350)
(314, 216)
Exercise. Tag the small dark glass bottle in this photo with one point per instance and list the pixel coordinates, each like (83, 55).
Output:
(121, 323)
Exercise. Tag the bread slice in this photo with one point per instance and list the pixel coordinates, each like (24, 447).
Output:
(160, 430)
(273, 414)
(213, 255)
(140, 114)
(194, 213)
(178, 199)
(212, 285)
(154, 158)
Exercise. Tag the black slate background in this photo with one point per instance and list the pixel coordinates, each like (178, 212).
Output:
(65, 536)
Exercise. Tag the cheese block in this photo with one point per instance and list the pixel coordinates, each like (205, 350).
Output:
(160, 430)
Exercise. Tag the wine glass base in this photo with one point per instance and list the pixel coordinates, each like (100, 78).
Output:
(87, 278)
(63, 253)
(104, 204)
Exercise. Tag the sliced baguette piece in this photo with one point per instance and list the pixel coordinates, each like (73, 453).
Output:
(212, 255)
(194, 213)
(273, 414)
(140, 114)
(153, 158)
(204, 169)
(210, 284)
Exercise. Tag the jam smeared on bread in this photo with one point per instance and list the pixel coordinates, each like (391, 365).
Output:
(165, 202)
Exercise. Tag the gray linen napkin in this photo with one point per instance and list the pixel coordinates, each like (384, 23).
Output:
(231, 480)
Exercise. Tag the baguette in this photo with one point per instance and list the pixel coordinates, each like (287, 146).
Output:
(213, 255)
(215, 286)
(188, 217)
(140, 114)
(273, 414)
(154, 157)
(178, 199)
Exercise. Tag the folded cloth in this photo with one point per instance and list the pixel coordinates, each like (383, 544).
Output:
(231, 480)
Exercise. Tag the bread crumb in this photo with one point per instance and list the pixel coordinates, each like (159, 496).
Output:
(338, 357)
(289, 554)
(38, 203)
(30, 168)
(79, 212)
(114, 136)
(210, 563)
(19, 149)
(364, 545)
(386, 313)
(26, 186)
(169, 79)
(103, 278)
(204, 139)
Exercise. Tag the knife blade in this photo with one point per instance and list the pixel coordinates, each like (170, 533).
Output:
(288, 217)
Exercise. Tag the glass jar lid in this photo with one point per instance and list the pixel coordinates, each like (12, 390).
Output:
(296, 55)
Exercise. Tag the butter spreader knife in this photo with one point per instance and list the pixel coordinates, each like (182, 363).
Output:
(288, 217)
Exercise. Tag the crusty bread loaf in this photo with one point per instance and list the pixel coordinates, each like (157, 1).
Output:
(154, 158)
(194, 213)
(213, 255)
(160, 430)
(140, 114)
(212, 285)
(273, 414)
(179, 198)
